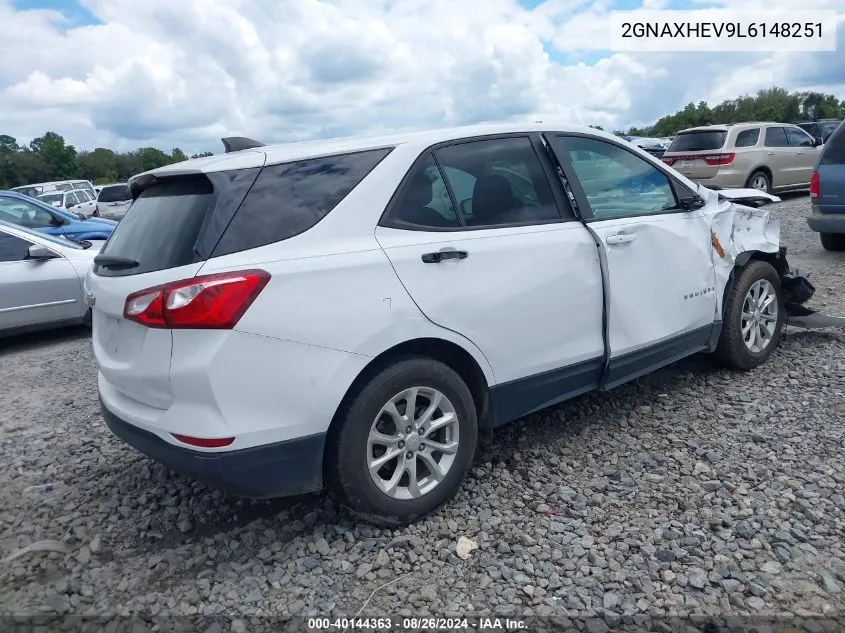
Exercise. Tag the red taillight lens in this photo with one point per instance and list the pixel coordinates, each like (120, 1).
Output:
(814, 185)
(207, 302)
(713, 160)
(204, 442)
(719, 159)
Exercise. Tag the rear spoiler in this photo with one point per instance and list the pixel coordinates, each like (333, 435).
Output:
(238, 143)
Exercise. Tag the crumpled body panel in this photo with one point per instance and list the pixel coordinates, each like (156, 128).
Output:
(736, 229)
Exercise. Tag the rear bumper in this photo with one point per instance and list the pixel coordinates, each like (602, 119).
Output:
(280, 469)
(827, 223)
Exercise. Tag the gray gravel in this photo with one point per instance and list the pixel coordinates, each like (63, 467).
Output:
(693, 490)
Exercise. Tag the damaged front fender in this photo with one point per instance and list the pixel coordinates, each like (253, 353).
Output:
(739, 233)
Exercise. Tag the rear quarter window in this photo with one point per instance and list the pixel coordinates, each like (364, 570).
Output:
(290, 198)
(747, 138)
(699, 141)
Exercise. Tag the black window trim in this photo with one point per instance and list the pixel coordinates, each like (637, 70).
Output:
(580, 195)
(565, 212)
(760, 136)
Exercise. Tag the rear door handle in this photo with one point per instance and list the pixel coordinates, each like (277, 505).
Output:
(443, 254)
(620, 238)
(770, 153)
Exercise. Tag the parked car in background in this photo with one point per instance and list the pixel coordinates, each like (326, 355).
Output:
(33, 214)
(78, 200)
(827, 193)
(653, 146)
(820, 129)
(41, 280)
(360, 308)
(765, 156)
(114, 200)
(36, 189)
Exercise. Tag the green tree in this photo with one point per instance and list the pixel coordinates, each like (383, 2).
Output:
(151, 158)
(177, 155)
(8, 143)
(202, 155)
(99, 165)
(59, 159)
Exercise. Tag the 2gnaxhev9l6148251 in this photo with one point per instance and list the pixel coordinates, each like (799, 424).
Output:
(353, 312)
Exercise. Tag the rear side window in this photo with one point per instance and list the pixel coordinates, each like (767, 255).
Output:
(748, 138)
(116, 193)
(776, 137)
(162, 228)
(290, 198)
(699, 141)
(834, 148)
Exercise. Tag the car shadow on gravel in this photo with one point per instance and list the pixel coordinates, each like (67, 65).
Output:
(36, 340)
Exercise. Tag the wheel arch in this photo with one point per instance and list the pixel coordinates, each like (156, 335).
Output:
(440, 349)
(742, 260)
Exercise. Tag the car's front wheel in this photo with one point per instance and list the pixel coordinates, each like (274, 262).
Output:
(833, 241)
(753, 317)
(405, 443)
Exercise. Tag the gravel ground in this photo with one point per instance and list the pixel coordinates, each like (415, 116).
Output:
(692, 490)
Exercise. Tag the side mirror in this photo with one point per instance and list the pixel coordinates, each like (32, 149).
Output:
(57, 221)
(38, 252)
(69, 205)
(818, 141)
(693, 203)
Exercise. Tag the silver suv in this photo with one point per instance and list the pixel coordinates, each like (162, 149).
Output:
(765, 156)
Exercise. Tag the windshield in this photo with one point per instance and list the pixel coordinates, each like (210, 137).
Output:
(32, 192)
(698, 141)
(52, 198)
(115, 193)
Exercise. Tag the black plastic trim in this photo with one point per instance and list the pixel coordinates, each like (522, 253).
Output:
(281, 469)
(644, 361)
(517, 398)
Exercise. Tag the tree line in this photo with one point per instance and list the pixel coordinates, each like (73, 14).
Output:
(774, 104)
(48, 157)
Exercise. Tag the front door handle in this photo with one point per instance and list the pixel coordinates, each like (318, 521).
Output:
(770, 153)
(436, 258)
(620, 238)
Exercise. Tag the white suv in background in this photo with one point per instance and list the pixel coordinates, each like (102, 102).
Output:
(354, 311)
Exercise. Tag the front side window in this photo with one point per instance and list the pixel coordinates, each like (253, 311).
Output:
(776, 137)
(798, 137)
(23, 213)
(12, 248)
(617, 182)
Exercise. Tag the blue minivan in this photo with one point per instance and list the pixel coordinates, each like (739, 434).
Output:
(22, 210)
(827, 193)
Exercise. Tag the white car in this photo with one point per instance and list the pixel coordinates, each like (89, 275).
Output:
(77, 200)
(41, 280)
(114, 200)
(354, 312)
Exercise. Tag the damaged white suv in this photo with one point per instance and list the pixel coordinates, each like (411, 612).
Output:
(354, 312)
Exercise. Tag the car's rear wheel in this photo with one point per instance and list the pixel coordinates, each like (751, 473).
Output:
(405, 443)
(759, 180)
(753, 317)
(833, 241)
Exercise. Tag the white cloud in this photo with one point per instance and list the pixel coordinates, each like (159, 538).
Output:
(186, 73)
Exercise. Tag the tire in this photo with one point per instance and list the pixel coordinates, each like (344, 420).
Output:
(833, 241)
(732, 349)
(764, 182)
(349, 450)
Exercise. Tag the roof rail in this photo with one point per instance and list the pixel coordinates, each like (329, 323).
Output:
(237, 143)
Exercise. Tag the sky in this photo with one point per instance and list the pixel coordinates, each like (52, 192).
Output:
(184, 73)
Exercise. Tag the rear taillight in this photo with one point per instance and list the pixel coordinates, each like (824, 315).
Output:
(713, 160)
(814, 185)
(215, 302)
(204, 442)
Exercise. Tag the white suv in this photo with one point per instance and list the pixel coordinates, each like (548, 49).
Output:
(354, 311)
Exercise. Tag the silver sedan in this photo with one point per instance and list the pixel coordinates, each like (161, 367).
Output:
(41, 280)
